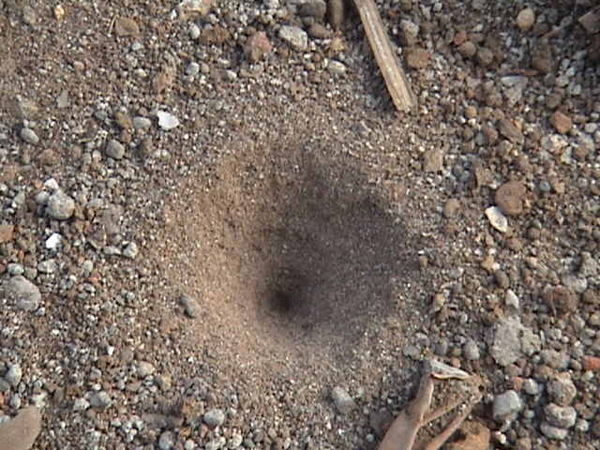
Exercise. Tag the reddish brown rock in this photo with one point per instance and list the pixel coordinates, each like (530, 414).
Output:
(591, 363)
(510, 197)
(418, 58)
(561, 299)
(257, 47)
(6, 233)
(561, 122)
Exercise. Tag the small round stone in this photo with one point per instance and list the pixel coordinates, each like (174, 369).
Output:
(214, 418)
(29, 136)
(115, 150)
(60, 206)
(25, 295)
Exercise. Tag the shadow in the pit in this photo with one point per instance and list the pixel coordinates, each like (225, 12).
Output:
(333, 256)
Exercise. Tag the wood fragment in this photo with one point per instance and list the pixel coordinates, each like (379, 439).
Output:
(395, 78)
(590, 21)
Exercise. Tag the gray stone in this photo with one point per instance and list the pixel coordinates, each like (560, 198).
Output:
(100, 400)
(294, 36)
(562, 390)
(410, 31)
(511, 300)
(192, 69)
(29, 136)
(14, 375)
(560, 416)
(214, 418)
(336, 67)
(497, 219)
(190, 307)
(141, 123)
(60, 206)
(145, 369)
(506, 346)
(471, 350)
(531, 387)
(114, 149)
(342, 400)
(166, 440)
(25, 295)
(313, 8)
(131, 250)
(48, 266)
(552, 432)
(507, 405)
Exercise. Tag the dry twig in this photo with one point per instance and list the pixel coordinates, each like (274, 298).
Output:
(395, 78)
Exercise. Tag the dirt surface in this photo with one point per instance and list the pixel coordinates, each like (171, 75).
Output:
(215, 231)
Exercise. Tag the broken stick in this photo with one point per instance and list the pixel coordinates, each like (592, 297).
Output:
(394, 76)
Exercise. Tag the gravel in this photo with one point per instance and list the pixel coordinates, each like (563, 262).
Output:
(295, 36)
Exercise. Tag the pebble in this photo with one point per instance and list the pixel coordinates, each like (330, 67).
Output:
(433, 160)
(23, 292)
(561, 122)
(214, 418)
(80, 404)
(511, 300)
(114, 149)
(60, 206)
(131, 250)
(417, 58)
(14, 374)
(53, 241)
(507, 405)
(467, 49)
(141, 123)
(336, 67)
(471, 350)
(166, 440)
(560, 416)
(562, 390)
(525, 19)
(192, 69)
(145, 369)
(509, 131)
(506, 345)
(410, 32)
(190, 307)
(485, 57)
(531, 387)
(6, 233)
(124, 26)
(194, 31)
(29, 136)
(552, 432)
(591, 363)
(313, 8)
(48, 266)
(510, 197)
(451, 208)
(342, 400)
(296, 37)
(167, 121)
(497, 219)
(100, 400)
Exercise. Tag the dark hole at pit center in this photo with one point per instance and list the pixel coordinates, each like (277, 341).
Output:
(332, 258)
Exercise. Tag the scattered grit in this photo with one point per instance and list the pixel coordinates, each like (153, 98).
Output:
(216, 233)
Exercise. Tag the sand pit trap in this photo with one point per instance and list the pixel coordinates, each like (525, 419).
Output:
(288, 256)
